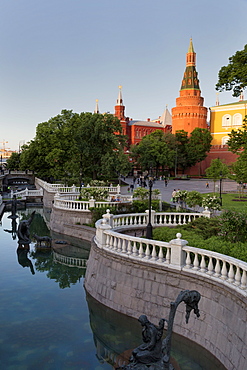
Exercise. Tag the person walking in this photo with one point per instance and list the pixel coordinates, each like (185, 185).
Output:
(174, 195)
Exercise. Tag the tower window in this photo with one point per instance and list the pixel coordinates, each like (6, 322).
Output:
(226, 120)
(237, 119)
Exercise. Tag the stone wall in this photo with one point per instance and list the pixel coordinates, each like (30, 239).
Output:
(71, 223)
(135, 288)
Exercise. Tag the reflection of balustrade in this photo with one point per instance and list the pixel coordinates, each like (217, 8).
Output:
(69, 261)
(175, 254)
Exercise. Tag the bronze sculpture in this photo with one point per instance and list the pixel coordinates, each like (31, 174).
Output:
(154, 354)
(23, 230)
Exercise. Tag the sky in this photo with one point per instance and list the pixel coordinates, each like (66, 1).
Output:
(65, 54)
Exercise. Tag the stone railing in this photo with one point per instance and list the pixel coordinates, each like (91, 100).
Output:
(134, 220)
(175, 254)
(60, 188)
(69, 261)
(23, 194)
(71, 202)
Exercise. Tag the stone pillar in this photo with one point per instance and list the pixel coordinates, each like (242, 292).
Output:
(153, 213)
(206, 212)
(178, 256)
(118, 189)
(108, 217)
(100, 235)
(91, 202)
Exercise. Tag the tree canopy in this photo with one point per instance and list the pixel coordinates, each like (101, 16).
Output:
(234, 75)
(167, 151)
(73, 145)
(238, 138)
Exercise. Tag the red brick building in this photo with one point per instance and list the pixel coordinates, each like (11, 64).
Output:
(136, 129)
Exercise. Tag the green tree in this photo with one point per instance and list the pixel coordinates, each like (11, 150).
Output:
(192, 149)
(238, 139)
(153, 151)
(13, 162)
(239, 169)
(234, 75)
(199, 145)
(194, 199)
(217, 170)
(73, 145)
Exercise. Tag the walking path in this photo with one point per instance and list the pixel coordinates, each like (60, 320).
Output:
(193, 184)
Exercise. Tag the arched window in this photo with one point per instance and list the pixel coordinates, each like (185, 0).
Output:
(237, 119)
(226, 120)
(224, 140)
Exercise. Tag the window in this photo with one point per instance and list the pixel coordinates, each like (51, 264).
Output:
(226, 120)
(237, 119)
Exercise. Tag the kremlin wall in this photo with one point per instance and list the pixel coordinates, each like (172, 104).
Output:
(188, 114)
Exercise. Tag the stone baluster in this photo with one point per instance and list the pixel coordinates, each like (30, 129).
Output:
(168, 256)
(224, 271)
(147, 251)
(210, 266)
(161, 254)
(244, 280)
(154, 254)
(237, 277)
(196, 262)
(231, 274)
(217, 268)
(203, 264)
(135, 249)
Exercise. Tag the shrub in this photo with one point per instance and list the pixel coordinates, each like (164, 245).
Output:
(96, 193)
(233, 226)
(206, 227)
(212, 202)
(194, 198)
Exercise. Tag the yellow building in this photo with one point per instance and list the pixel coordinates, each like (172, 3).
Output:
(224, 119)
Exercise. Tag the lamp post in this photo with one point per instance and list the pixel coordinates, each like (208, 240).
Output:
(220, 188)
(149, 231)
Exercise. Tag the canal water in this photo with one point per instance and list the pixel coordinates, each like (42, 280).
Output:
(48, 322)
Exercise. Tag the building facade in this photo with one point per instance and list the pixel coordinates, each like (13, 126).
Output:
(135, 130)
(225, 118)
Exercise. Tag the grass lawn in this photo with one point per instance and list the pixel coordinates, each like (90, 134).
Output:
(233, 202)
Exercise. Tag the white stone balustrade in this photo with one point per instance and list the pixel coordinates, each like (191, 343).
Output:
(54, 188)
(226, 270)
(23, 194)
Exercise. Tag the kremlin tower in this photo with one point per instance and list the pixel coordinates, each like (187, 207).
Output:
(189, 112)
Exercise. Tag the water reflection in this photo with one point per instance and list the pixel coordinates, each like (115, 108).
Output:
(116, 335)
(24, 261)
(13, 230)
(49, 324)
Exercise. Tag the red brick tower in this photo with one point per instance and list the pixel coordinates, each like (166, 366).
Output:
(189, 112)
(119, 107)
(119, 113)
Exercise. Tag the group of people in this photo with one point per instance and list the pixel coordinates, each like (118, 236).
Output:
(115, 199)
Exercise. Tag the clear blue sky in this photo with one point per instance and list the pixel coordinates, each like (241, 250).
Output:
(65, 54)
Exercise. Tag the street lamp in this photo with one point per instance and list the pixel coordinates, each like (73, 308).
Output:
(149, 231)
(220, 188)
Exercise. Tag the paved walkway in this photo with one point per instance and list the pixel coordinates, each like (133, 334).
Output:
(193, 184)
